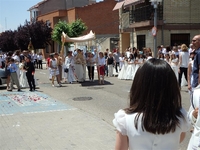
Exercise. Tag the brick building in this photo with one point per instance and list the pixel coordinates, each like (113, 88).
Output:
(178, 21)
(98, 17)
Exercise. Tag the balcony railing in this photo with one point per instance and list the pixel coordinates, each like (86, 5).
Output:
(145, 13)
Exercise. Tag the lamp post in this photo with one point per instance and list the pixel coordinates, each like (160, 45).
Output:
(154, 29)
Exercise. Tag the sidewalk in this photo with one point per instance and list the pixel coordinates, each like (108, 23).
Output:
(27, 122)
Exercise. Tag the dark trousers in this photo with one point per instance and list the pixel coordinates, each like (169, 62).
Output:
(31, 81)
(36, 63)
(116, 66)
(182, 70)
(91, 72)
(106, 70)
(40, 64)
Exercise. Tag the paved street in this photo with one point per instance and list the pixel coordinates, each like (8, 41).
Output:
(73, 117)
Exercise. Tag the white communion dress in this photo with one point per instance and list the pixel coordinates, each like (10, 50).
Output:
(122, 73)
(140, 139)
(130, 73)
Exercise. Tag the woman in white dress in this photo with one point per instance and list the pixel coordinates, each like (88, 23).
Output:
(122, 73)
(79, 63)
(130, 71)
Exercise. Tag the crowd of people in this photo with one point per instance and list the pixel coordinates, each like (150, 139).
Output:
(20, 68)
(155, 118)
(155, 113)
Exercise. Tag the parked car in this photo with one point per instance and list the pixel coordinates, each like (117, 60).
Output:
(3, 76)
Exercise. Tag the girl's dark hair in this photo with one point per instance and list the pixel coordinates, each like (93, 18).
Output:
(131, 57)
(155, 94)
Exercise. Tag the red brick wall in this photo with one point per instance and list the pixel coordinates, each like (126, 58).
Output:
(100, 17)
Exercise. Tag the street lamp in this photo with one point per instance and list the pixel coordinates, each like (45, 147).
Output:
(154, 29)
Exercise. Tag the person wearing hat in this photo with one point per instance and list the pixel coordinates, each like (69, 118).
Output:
(30, 71)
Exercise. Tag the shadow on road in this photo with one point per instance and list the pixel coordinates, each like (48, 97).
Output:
(95, 83)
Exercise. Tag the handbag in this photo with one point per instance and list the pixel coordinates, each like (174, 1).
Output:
(66, 70)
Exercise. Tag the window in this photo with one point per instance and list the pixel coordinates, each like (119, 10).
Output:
(141, 42)
(178, 39)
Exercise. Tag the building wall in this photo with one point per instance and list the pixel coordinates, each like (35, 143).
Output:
(50, 6)
(99, 17)
(124, 41)
(77, 3)
(53, 5)
(181, 11)
(179, 16)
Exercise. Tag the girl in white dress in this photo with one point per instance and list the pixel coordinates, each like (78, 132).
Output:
(155, 118)
(190, 77)
(130, 73)
(139, 61)
(23, 79)
(174, 63)
(122, 73)
(121, 61)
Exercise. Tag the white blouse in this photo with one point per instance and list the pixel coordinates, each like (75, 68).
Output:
(194, 140)
(101, 61)
(143, 140)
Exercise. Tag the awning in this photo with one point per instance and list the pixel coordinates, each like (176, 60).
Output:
(133, 2)
(88, 37)
(118, 5)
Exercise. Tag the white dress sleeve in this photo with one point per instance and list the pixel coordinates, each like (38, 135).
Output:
(185, 124)
(120, 121)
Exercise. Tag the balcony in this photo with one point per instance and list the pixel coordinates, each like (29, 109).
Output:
(145, 14)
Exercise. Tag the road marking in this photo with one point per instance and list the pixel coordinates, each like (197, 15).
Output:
(29, 102)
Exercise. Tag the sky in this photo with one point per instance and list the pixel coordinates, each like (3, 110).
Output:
(14, 13)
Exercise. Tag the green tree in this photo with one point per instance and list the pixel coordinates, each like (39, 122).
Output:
(40, 34)
(72, 30)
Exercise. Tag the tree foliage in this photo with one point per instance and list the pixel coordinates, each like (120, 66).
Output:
(38, 32)
(22, 37)
(73, 29)
(7, 41)
(60, 27)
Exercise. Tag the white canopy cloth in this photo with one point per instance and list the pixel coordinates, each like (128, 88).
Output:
(87, 37)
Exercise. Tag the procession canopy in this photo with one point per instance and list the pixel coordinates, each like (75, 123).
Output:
(88, 37)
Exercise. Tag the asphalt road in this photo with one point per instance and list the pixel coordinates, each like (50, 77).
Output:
(99, 101)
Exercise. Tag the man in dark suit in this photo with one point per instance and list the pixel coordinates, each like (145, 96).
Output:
(30, 71)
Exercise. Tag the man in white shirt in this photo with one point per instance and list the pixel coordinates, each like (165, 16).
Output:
(39, 59)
